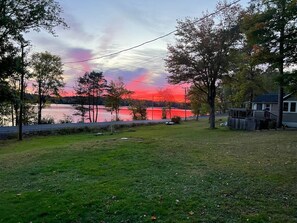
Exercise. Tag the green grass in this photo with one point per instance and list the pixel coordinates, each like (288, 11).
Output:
(181, 173)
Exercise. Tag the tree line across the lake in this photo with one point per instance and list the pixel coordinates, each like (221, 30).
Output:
(226, 57)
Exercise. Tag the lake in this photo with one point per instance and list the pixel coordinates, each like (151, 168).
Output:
(60, 111)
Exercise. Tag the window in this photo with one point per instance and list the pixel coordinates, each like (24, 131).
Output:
(267, 107)
(259, 106)
(286, 106)
(293, 107)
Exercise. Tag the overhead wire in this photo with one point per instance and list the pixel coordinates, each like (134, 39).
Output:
(152, 40)
(140, 45)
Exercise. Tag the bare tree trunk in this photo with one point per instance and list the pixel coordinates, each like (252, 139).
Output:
(281, 72)
(117, 114)
(12, 115)
(97, 111)
(20, 135)
(89, 104)
(39, 104)
(211, 101)
(280, 107)
(212, 114)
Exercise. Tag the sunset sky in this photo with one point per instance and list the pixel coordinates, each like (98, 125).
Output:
(101, 27)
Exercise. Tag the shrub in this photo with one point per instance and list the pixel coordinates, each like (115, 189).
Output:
(66, 119)
(48, 120)
(176, 119)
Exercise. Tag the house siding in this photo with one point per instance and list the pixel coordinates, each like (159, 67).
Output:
(274, 109)
(290, 117)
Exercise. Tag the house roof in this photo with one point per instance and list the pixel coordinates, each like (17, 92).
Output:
(266, 98)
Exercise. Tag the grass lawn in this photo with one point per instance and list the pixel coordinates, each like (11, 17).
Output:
(180, 173)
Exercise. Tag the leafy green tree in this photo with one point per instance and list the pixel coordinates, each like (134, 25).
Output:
(19, 17)
(138, 110)
(115, 93)
(9, 63)
(47, 73)
(201, 55)
(89, 89)
(270, 27)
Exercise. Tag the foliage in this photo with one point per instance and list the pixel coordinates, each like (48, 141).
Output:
(18, 18)
(47, 120)
(246, 84)
(138, 110)
(198, 101)
(47, 73)
(270, 27)
(290, 81)
(9, 63)
(5, 113)
(184, 173)
(176, 119)
(115, 93)
(66, 119)
(29, 113)
(201, 55)
(89, 88)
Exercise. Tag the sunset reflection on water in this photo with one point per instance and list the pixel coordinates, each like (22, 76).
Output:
(60, 111)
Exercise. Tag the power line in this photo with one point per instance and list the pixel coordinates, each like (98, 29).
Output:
(153, 40)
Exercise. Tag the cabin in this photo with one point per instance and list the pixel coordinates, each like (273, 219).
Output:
(263, 114)
(269, 102)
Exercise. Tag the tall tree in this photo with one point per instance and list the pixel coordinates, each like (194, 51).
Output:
(19, 17)
(270, 27)
(202, 53)
(90, 86)
(247, 82)
(47, 72)
(115, 93)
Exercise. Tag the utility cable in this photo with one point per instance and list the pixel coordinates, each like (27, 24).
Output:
(153, 40)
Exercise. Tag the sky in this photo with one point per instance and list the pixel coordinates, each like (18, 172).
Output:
(102, 27)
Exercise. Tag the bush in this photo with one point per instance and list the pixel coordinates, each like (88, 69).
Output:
(66, 119)
(47, 120)
(176, 119)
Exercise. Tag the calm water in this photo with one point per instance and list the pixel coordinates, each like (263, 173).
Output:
(59, 111)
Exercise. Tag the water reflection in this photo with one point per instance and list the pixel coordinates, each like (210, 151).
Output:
(60, 111)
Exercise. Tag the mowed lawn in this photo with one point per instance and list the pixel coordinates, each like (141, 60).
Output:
(180, 173)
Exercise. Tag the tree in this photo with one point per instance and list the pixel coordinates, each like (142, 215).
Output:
(17, 18)
(270, 26)
(202, 54)
(47, 72)
(80, 100)
(9, 63)
(90, 88)
(197, 100)
(138, 110)
(115, 93)
(166, 98)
